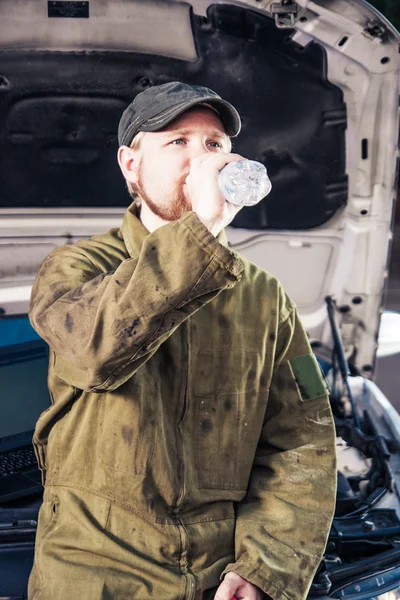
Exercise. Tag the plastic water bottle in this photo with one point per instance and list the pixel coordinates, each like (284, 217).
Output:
(244, 182)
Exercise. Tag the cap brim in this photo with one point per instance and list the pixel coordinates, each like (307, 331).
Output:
(228, 114)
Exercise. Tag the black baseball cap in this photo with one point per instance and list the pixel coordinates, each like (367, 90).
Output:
(157, 106)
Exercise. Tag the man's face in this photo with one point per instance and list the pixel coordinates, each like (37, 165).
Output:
(165, 156)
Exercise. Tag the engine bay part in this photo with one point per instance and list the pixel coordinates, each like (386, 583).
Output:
(365, 534)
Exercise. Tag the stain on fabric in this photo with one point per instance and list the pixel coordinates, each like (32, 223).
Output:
(319, 540)
(288, 431)
(228, 405)
(206, 426)
(77, 295)
(272, 337)
(69, 323)
(130, 331)
(252, 376)
(127, 434)
(223, 321)
(304, 563)
(157, 288)
(58, 293)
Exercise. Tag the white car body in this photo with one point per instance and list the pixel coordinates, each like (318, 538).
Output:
(344, 257)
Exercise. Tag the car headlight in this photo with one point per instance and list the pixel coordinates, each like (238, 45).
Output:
(380, 586)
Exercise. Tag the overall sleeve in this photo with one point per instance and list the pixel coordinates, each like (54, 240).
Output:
(284, 520)
(102, 326)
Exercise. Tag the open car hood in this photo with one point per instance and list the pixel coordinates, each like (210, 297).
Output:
(316, 85)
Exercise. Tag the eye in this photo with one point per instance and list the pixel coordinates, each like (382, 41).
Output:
(215, 144)
(178, 142)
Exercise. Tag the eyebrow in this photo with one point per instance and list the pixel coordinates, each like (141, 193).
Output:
(214, 133)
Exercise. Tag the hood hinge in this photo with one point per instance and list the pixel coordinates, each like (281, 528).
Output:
(374, 29)
(285, 13)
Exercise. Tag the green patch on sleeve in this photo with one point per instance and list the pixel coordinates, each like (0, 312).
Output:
(308, 377)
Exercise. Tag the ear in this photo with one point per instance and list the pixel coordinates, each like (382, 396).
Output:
(128, 160)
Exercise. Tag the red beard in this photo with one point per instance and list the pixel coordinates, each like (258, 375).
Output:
(177, 207)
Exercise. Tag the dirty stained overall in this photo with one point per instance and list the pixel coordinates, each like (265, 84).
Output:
(190, 432)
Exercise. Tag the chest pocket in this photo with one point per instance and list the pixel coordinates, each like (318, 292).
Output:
(230, 402)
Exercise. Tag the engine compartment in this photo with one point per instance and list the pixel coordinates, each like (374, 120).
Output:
(365, 533)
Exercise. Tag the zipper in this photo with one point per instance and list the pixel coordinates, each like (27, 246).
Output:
(183, 534)
(192, 586)
(183, 560)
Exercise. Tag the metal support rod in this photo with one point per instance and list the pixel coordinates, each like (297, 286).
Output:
(342, 360)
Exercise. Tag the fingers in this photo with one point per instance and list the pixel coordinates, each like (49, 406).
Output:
(235, 587)
(215, 159)
(228, 587)
(204, 192)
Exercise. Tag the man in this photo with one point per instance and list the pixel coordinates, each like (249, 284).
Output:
(189, 452)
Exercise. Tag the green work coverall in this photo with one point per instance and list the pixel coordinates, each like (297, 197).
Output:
(190, 432)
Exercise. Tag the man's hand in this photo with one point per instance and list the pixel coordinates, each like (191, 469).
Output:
(234, 586)
(205, 195)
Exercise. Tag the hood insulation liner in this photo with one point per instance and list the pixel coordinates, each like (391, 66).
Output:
(59, 114)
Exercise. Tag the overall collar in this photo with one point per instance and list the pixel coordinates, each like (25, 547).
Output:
(133, 231)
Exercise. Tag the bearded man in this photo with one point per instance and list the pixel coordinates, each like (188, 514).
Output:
(189, 452)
